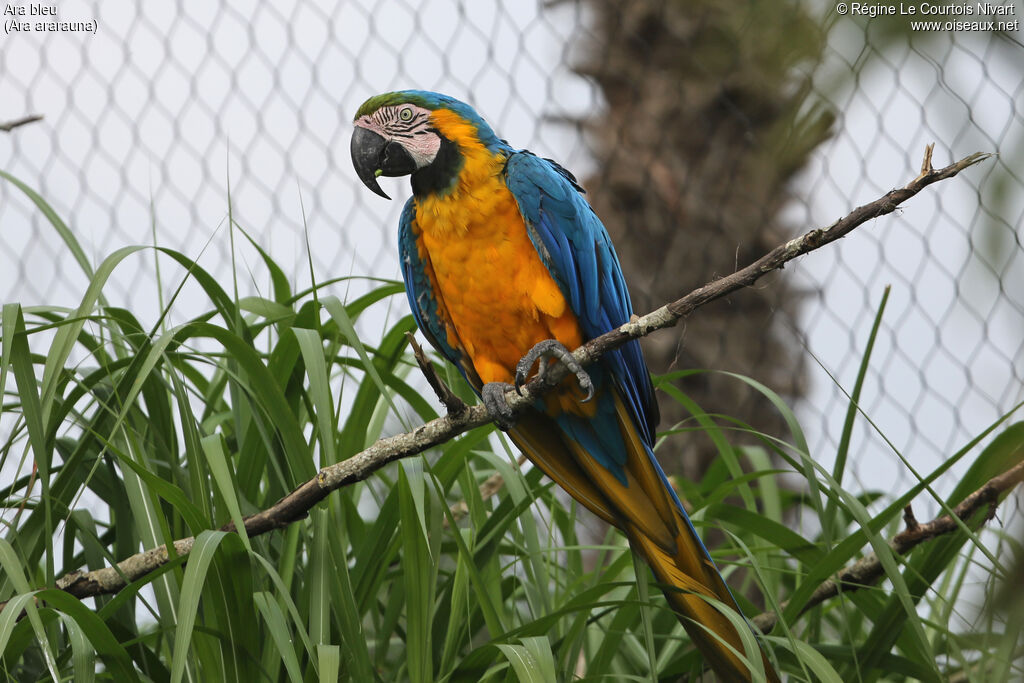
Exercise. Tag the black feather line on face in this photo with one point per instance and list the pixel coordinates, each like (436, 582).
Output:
(440, 176)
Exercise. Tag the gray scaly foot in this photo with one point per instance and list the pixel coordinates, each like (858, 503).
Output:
(547, 350)
(493, 396)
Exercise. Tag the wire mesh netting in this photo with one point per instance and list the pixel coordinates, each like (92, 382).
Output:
(173, 114)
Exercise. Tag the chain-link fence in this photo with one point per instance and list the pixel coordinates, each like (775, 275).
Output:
(151, 121)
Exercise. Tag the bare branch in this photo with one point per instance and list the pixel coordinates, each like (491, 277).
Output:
(447, 397)
(909, 519)
(16, 123)
(297, 504)
(868, 570)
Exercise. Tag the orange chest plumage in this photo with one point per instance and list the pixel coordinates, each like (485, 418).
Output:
(499, 298)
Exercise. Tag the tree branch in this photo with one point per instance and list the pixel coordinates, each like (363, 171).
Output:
(868, 570)
(297, 504)
(16, 123)
(452, 403)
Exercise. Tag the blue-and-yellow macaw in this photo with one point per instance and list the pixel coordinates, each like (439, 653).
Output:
(503, 260)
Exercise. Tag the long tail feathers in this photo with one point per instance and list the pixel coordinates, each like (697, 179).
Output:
(714, 635)
(658, 529)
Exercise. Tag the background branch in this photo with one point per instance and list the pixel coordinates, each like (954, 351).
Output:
(296, 505)
(868, 570)
(11, 125)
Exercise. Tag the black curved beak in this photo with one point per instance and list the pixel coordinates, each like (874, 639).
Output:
(374, 156)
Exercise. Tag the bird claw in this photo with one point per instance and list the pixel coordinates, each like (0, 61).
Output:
(493, 396)
(552, 349)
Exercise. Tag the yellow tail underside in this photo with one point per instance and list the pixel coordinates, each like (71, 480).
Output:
(655, 527)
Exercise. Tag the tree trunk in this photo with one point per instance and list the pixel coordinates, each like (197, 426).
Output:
(707, 121)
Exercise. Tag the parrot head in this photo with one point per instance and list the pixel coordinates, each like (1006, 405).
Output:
(399, 134)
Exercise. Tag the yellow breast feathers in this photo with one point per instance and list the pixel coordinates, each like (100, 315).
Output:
(500, 297)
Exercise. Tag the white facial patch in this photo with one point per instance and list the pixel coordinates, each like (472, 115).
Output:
(407, 125)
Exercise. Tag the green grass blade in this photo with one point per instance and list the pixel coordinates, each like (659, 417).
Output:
(532, 661)
(8, 329)
(192, 588)
(815, 662)
(829, 525)
(340, 315)
(352, 630)
(319, 390)
(328, 662)
(33, 414)
(418, 571)
(113, 654)
(646, 619)
(273, 617)
(283, 596)
(62, 229)
(12, 567)
(320, 574)
(223, 477)
(67, 333)
(83, 656)
(778, 535)
(10, 615)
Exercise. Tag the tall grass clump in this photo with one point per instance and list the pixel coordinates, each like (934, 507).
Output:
(120, 435)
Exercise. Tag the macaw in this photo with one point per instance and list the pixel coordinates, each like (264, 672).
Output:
(506, 265)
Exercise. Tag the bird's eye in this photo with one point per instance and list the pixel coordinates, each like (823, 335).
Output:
(405, 114)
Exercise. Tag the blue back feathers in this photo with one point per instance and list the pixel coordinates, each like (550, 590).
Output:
(576, 249)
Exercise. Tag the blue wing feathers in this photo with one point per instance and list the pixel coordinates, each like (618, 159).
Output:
(578, 253)
(600, 435)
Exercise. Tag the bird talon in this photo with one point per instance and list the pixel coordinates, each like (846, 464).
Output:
(493, 396)
(523, 368)
(586, 384)
(553, 350)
